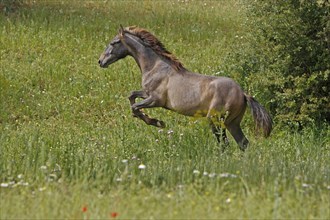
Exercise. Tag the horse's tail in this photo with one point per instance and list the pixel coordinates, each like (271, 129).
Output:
(261, 117)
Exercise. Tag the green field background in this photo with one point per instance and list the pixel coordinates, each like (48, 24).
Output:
(70, 148)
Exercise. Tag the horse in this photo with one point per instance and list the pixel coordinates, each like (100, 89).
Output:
(168, 84)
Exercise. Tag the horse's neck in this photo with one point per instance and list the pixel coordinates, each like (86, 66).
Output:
(151, 63)
(146, 59)
(144, 56)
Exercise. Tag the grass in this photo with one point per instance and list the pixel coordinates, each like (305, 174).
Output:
(70, 148)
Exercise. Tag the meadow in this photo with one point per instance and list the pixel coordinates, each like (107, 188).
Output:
(70, 148)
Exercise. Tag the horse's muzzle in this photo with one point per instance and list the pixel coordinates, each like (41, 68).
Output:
(103, 65)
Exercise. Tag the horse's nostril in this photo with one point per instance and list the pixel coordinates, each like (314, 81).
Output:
(100, 62)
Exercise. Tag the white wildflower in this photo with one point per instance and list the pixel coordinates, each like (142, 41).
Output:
(226, 175)
(142, 166)
(4, 185)
(196, 172)
(42, 189)
(211, 175)
(305, 185)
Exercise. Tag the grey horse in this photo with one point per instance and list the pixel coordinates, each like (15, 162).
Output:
(167, 83)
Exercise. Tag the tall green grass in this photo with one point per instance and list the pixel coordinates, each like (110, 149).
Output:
(71, 149)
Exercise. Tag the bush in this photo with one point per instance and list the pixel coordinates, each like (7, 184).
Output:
(286, 57)
(8, 6)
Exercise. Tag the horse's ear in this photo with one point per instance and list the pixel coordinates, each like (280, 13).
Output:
(121, 31)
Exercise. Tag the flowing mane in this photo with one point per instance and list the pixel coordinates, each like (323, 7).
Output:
(157, 46)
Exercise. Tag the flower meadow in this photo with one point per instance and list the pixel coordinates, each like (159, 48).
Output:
(70, 148)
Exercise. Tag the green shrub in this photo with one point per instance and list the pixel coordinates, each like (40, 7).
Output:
(8, 6)
(286, 58)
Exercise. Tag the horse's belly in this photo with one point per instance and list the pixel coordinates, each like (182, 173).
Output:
(188, 107)
(189, 96)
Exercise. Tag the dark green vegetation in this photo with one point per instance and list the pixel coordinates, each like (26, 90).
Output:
(288, 55)
(69, 147)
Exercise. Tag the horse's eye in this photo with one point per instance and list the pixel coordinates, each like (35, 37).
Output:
(114, 42)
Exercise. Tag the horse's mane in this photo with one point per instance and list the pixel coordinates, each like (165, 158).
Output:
(157, 46)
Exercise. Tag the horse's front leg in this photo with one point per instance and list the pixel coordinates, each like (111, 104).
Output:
(137, 94)
(146, 103)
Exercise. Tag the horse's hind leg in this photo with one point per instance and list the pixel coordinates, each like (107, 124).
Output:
(236, 131)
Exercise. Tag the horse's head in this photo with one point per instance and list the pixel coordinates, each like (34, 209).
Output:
(116, 50)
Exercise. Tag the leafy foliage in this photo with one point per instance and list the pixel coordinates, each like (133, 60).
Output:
(286, 57)
(9, 6)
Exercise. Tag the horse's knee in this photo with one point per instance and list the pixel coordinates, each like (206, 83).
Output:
(133, 95)
(136, 94)
(132, 98)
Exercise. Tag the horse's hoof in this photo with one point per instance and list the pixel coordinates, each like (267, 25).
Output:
(157, 123)
(160, 124)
